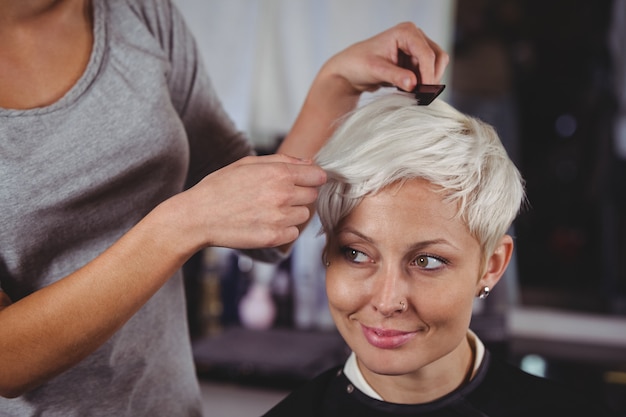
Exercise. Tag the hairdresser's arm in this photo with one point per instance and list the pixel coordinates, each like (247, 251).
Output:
(55, 327)
(364, 66)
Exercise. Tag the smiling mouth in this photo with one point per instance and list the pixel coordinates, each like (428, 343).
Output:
(386, 338)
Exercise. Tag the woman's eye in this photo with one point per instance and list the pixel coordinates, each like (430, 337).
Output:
(354, 255)
(428, 262)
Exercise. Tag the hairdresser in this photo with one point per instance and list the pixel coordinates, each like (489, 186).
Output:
(117, 164)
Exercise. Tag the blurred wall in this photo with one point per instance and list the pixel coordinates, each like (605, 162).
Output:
(263, 54)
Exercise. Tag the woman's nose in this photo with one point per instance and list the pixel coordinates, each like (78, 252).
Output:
(389, 296)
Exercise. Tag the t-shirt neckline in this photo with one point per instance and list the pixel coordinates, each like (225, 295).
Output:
(86, 79)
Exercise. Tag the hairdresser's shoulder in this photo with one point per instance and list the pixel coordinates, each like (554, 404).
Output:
(153, 13)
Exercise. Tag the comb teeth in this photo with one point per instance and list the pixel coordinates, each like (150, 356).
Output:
(426, 93)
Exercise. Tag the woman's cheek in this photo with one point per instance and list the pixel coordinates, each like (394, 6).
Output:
(342, 293)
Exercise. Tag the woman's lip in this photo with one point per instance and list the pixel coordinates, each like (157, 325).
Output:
(386, 338)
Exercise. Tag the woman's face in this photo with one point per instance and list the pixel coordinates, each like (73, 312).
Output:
(404, 245)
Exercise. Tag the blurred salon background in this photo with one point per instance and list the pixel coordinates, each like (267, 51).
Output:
(549, 75)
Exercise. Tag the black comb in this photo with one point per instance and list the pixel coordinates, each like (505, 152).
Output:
(426, 93)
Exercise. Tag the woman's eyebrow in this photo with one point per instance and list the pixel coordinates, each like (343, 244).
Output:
(433, 242)
(415, 246)
(349, 230)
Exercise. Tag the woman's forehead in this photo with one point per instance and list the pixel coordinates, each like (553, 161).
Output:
(413, 208)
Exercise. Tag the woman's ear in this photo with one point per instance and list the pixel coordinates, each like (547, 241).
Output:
(496, 263)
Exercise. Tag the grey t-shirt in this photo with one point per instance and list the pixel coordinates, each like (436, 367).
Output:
(142, 123)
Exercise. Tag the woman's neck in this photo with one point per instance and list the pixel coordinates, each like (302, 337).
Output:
(19, 12)
(46, 46)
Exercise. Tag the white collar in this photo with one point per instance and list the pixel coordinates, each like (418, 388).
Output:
(353, 373)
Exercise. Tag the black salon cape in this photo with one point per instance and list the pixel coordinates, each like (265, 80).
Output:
(497, 390)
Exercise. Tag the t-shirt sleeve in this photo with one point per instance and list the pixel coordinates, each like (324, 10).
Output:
(214, 140)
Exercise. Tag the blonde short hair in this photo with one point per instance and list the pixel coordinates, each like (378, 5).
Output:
(391, 140)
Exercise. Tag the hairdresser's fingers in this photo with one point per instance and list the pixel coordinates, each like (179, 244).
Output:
(273, 158)
(299, 172)
(306, 175)
(254, 202)
(402, 56)
(441, 62)
(302, 172)
(419, 53)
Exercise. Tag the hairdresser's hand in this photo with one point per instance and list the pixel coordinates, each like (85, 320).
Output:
(402, 56)
(255, 202)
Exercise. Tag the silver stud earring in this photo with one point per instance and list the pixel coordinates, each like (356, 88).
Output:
(484, 293)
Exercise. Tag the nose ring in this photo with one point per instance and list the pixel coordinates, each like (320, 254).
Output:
(402, 305)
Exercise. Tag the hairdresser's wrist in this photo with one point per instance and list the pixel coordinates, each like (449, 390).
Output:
(173, 227)
(333, 92)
